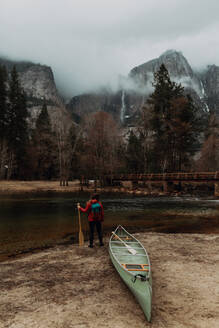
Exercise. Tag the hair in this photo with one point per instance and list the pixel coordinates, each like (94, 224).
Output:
(95, 196)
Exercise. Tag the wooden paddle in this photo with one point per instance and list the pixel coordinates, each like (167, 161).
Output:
(81, 235)
(130, 249)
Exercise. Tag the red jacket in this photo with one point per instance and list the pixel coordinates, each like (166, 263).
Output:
(88, 210)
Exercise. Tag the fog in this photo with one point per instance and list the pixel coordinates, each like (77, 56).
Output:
(89, 44)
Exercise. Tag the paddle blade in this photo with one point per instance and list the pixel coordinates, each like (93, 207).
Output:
(131, 250)
(81, 238)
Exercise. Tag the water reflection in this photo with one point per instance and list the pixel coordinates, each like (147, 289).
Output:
(43, 221)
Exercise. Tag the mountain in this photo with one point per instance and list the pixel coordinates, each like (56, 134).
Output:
(127, 102)
(123, 105)
(178, 67)
(38, 83)
(210, 79)
(105, 100)
(179, 70)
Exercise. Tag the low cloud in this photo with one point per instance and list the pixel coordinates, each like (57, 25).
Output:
(89, 43)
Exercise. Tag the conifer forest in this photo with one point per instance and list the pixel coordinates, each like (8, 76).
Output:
(171, 134)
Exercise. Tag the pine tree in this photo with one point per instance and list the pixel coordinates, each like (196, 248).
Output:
(134, 154)
(43, 146)
(43, 123)
(17, 129)
(3, 121)
(185, 129)
(3, 102)
(17, 114)
(174, 124)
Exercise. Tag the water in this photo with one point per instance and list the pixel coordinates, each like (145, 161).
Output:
(123, 108)
(41, 221)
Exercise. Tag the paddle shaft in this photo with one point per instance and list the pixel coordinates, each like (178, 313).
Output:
(81, 236)
(131, 250)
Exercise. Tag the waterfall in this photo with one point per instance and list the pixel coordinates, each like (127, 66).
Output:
(123, 107)
(207, 110)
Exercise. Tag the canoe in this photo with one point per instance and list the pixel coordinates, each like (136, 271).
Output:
(132, 262)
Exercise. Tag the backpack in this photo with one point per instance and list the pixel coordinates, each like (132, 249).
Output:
(96, 211)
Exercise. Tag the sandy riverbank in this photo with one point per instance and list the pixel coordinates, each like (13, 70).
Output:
(21, 187)
(36, 187)
(73, 287)
(15, 187)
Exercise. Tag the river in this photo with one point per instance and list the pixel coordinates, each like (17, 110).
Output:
(32, 222)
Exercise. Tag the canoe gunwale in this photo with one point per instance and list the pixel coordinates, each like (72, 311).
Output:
(118, 262)
(139, 283)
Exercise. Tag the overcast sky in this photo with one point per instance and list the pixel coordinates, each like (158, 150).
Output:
(90, 42)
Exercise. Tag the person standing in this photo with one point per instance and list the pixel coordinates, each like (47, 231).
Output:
(94, 209)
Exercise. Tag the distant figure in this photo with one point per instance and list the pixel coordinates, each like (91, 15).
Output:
(94, 208)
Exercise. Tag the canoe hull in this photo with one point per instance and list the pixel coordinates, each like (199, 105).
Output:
(142, 290)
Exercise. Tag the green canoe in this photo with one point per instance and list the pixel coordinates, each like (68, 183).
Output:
(133, 265)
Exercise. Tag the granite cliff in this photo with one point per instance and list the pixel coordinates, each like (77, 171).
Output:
(126, 103)
(210, 79)
(38, 83)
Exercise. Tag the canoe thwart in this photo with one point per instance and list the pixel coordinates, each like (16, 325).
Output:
(121, 237)
(136, 267)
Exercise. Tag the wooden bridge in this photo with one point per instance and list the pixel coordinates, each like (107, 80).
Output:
(191, 176)
(169, 180)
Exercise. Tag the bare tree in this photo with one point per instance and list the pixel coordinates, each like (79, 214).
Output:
(63, 126)
(101, 145)
(209, 159)
(145, 134)
(3, 159)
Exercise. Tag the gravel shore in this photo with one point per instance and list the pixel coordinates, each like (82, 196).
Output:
(77, 287)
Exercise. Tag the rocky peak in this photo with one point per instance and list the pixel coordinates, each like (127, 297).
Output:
(39, 84)
(93, 102)
(176, 64)
(174, 61)
(126, 104)
(37, 80)
(178, 67)
(210, 79)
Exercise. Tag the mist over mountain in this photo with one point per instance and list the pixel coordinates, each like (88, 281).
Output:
(126, 102)
(39, 85)
(125, 99)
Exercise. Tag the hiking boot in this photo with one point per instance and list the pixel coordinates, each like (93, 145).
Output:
(91, 246)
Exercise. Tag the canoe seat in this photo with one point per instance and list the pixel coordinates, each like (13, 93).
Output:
(115, 237)
(136, 267)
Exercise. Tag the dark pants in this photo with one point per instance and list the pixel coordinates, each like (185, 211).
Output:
(98, 225)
